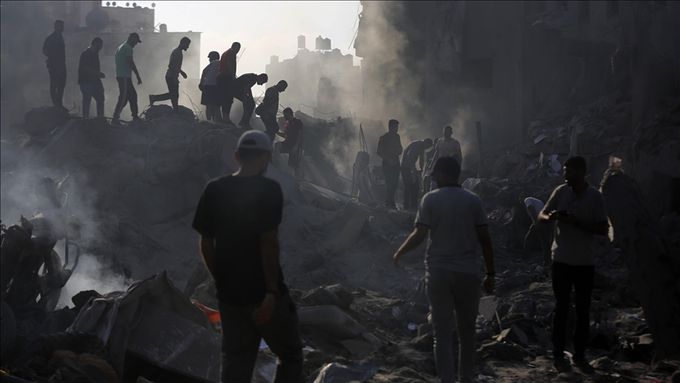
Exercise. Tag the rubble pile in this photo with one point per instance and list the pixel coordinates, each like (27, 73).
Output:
(361, 319)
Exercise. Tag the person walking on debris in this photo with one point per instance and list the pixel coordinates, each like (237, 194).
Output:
(457, 224)
(243, 93)
(537, 231)
(226, 76)
(292, 143)
(415, 152)
(90, 77)
(269, 107)
(172, 76)
(448, 147)
(125, 65)
(579, 211)
(208, 86)
(389, 149)
(238, 218)
(54, 49)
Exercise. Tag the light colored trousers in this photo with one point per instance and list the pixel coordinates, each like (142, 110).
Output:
(454, 301)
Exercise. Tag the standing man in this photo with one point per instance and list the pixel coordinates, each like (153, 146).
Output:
(415, 151)
(172, 76)
(448, 147)
(237, 218)
(55, 51)
(269, 107)
(90, 77)
(125, 65)
(579, 211)
(457, 224)
(226, 77)
(389, 149)
(243, 93)
(208, 86)
(292, 143)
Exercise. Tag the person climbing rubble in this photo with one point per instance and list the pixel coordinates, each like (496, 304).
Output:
(580, 213)
(537, 232)
(208, 86)
(456, 223)
(389, 149)
(172, 76)
(226, 76)
(237, 218)
(410, 175)
(125, 65)
(90, 77)
(292, 143)
(54, 49)
(269, 107)
(243, 93)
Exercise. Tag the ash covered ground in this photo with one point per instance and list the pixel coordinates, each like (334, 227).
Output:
(134, 190)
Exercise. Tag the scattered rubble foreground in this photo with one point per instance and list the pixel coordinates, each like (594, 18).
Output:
(361, 318)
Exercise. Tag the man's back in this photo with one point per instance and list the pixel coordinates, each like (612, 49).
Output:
(450, 148)
(236, 211)
(175, 64)
(453, 215)
(391, 145)
(56, 51)
(123, 68)
(414, 150)
(88, 59)
(271, 100)
(228, 63)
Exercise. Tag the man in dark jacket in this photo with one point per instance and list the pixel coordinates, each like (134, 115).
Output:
(389, 149)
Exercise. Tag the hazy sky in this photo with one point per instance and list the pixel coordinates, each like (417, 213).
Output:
(264, 28)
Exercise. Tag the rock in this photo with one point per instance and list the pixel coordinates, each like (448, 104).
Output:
(313, 262)
(501, 351)
(335, 295)
(523, 308)
(157, 111)
(603, 364)
(44, 119)
(514, 334)
(356, 347)
(345, 296)
(424, 342)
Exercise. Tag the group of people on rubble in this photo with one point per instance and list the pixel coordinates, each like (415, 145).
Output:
(219, 86)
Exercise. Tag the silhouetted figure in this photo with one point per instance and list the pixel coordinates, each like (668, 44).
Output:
(269, 107)
(90, 77)
(172, 76)
(55, 51)
(226, 77)
(125, 65)
(446, 147)
(238, 218)
(209, 94)
(389, 149)
(292, 143)
(579, 211)
(415, 152)
(243, 93)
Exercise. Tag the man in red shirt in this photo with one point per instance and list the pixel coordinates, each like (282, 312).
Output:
(292, 143)
(226, 76)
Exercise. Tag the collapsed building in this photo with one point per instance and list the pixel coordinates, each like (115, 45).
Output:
(135, 189)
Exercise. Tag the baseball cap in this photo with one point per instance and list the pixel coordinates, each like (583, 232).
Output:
(214, 54)
(254, 139)
(134, 34)
(446, 165)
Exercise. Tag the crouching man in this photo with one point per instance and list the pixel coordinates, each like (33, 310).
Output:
(457, 224)
(237, 218)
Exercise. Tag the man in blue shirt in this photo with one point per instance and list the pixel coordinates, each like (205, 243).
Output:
(55, 51)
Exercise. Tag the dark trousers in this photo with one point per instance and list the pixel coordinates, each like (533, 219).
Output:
(563, 278)
(127, 93)
(411, 187)
(271, 126)
(225, 85)
(90, 91)
(391, 173)
(248, 106)
(241, 341)
(57, 85)
(172, 95)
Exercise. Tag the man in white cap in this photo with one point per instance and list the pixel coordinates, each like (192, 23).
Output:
(237, 218)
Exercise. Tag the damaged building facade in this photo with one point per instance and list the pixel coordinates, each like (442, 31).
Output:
(26, 86)
(325, 83)
(513, 62)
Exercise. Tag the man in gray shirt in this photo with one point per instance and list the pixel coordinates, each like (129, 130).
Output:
(415, 152)
(172, 76)
(579, 211)
(457, 224)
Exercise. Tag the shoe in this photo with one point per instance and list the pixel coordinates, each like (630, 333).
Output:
(136, 119)
(582, 364)
(151, 99)
(561, 365)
